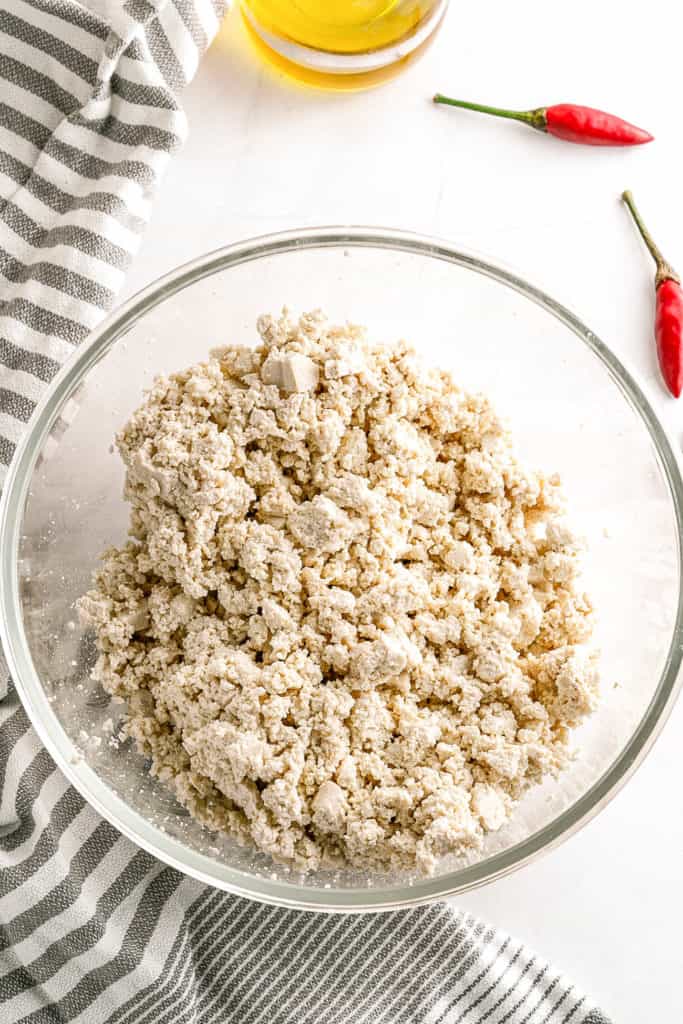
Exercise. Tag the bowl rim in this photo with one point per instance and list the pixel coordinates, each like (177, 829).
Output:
(112, 807)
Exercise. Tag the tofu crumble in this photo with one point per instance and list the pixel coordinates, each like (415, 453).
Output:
(348, 624)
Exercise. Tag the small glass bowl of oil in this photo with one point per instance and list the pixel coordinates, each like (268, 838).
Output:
(342, 44)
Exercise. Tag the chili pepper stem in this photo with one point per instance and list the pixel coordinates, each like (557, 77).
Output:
(534, 118)
(665, 271)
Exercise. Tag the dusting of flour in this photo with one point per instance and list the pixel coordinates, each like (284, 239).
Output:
(347, 624)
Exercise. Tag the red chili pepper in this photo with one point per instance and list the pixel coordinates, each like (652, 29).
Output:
(669, 309)
(567, 121)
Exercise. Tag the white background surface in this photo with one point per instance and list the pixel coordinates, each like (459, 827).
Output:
(265, 154)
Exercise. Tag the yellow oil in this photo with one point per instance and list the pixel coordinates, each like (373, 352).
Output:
(344, 27)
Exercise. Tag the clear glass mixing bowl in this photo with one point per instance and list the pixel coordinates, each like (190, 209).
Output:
(573, 408)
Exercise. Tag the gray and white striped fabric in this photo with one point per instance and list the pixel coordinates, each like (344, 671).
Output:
(92, 928)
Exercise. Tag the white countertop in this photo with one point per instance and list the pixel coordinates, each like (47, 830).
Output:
(265, 155)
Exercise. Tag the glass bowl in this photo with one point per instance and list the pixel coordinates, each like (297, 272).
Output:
(573, 408)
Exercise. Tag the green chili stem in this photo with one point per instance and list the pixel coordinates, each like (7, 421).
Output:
(535, 118)
(665, 271)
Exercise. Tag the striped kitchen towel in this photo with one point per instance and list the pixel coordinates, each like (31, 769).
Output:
(93, 929)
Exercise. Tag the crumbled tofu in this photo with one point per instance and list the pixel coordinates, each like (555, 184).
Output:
(347, 626)
(329, 808)
(489, 804)
(320, 525)
(292, 372)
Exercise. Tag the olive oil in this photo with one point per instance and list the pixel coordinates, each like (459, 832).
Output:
(329, 41)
